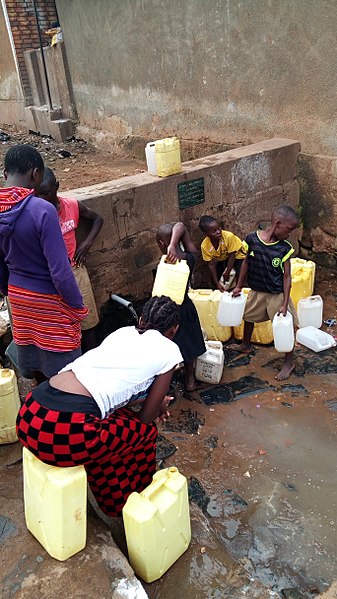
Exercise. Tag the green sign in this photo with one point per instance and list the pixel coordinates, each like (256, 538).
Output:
(191, 193)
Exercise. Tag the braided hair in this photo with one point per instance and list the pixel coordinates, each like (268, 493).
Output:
(159, 313)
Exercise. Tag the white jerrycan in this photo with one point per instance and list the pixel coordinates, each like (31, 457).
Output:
(310, 311)
(231, 309)
(315, 339)
(209, 366)
(283, 330)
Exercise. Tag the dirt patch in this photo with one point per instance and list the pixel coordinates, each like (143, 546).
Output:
(75, 162)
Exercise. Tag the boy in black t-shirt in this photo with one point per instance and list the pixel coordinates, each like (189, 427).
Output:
(267, 267)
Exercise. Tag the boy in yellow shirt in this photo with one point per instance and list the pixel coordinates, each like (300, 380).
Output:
(222, 250)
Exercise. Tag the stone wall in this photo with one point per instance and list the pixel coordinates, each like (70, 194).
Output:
(241, 186)
(318, 181)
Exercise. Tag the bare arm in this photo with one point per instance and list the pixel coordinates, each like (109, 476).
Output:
(96, 225)
(230, 264)
(153, 405)
(180, 233)
(242, 276)
(212, 269)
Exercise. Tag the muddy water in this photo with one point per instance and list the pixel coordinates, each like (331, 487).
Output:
(262, 474)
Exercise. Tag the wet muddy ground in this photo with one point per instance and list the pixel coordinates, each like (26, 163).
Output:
(262, 480)
(260, 459)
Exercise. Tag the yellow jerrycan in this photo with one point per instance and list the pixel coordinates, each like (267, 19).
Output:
(168, 160)
(171, 280)
(55, 505)
(206, 303)
(9, 406)
(157, 524)
(302, 279)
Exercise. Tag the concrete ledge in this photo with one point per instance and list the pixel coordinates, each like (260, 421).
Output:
(48, 122)
(242, 187)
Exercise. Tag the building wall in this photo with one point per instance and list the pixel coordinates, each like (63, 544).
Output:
(241, 187)
(24, 30)
(234, 71)
(220, 71)
(11, 98)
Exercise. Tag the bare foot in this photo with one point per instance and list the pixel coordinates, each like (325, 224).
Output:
(242, 348)
(285, 372)
(190, 384)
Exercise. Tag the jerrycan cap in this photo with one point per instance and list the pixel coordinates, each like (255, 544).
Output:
(5, 373)
(173, 472)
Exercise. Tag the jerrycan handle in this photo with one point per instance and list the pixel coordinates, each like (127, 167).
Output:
(164, 259)
(154, 487)
(327, 344)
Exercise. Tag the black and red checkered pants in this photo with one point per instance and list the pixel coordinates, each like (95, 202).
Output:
(118, 452)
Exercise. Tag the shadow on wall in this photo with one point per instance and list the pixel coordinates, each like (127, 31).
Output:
(319, 234)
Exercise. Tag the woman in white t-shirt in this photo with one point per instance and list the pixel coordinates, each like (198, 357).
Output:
(80, 415)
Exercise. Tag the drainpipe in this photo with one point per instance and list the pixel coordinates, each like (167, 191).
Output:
(42, 55)
(124, 302)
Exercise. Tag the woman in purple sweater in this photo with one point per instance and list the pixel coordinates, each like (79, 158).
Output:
(35, 273)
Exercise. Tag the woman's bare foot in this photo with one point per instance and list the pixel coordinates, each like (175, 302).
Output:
(242, 348)
(190, 384)
(286, 371)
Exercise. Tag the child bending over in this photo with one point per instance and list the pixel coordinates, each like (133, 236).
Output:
(176, 243)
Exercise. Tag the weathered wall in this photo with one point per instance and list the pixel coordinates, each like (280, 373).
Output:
(318, 180)
(224, 70)
(58, 79)
(22, 19)
(241, 187)
(11, 98)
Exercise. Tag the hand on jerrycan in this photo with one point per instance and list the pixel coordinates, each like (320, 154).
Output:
(236, 291)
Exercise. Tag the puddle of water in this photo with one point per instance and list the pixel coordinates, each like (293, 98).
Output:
(246, 385)
(188, 421)
(7, 528)
(309, 362)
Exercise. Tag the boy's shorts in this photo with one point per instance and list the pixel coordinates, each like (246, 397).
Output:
(83, 281)
(261, 306)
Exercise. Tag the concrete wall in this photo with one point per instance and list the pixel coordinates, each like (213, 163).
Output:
(218, 74)
(22, 20)
(58, 79)
(234, 71)
(241, 188)
(318, 181)
(11, 98)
